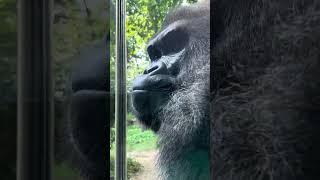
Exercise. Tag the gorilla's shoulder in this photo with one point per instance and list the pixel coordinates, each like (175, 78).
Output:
(266, 113)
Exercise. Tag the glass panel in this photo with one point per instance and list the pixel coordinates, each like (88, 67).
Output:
(8, 88)
(81, 66)
(120, 93)
(112, 88)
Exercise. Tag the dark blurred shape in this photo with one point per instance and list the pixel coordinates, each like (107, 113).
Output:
(86, 140)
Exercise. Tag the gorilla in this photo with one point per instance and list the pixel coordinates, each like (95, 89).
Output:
(243, 106)
(259, 117)
(264, 113)
(172, 97)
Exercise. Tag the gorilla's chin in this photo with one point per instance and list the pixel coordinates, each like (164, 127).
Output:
(146, 106)
(149, 121)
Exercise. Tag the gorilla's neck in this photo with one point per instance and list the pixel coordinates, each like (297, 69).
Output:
(184, 132)
(193, 165)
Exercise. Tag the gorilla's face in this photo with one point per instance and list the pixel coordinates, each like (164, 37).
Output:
(177, 80)
(172, 95)
(151, 91)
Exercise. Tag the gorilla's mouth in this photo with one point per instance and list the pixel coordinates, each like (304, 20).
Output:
(149, 95)
(152, 89)
(147, 104)
(156, 83)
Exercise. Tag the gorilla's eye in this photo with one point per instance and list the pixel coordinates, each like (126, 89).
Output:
(169, 41)
(154, 52)
(174, 41)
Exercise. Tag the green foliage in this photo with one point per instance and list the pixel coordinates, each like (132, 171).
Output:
(112, 137)
(73, 30)
(112, 164)
(130, 116)
(139, 140)
(133, 167)
(8, 35)
(144, 18)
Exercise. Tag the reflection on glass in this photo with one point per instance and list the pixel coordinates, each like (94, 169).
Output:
(81, 68)
(8, 89)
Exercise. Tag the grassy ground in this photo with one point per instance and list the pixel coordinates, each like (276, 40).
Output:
(138, 140)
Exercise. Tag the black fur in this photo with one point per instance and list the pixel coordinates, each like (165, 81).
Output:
(265, 73)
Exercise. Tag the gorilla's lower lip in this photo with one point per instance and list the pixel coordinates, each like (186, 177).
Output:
(148, 101)
(157, 83)
(146, 104)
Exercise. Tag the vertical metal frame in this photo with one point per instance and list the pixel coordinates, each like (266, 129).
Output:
(35, 91)
(120, 92)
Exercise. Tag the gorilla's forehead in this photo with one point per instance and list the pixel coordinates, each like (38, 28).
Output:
(188, 12)
(173, 26)
(181, 18)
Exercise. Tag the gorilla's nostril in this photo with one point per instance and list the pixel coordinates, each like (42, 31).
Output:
(156, 68)
(152, 69)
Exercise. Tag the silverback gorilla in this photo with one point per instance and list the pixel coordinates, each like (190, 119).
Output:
(172, 95)
(263, 105)
(249, 112)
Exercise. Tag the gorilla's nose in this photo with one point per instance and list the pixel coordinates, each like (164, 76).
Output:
(155, 78)
(157, 68)
(151, 90)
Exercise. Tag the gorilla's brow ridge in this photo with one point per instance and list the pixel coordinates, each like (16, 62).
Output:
(187, 12)
(165, 31)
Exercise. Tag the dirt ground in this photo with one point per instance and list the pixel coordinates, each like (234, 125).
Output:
(147, 159)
